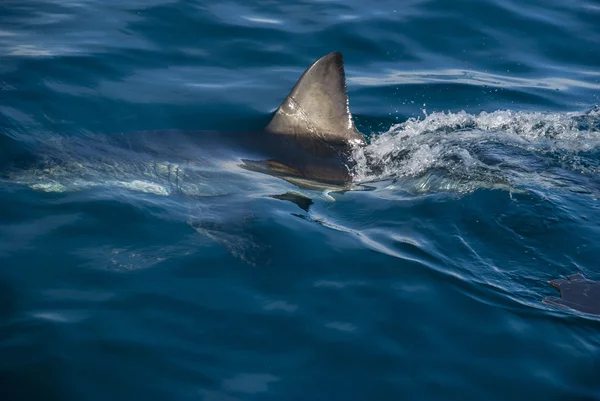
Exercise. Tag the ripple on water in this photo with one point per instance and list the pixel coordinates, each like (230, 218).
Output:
(428, 286)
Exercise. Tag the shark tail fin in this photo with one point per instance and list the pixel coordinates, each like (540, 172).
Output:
(318, 104)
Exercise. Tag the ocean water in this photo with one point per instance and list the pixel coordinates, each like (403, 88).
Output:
(135, 265)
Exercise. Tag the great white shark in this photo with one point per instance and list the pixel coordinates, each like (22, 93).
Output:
(213, 176)
(308, 141)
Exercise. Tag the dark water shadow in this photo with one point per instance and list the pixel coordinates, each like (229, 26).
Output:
(38, 381)
(25, 372)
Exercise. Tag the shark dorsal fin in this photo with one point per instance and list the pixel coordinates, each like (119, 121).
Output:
(318, 106)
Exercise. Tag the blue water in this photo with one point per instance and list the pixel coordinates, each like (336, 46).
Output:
(123, 277)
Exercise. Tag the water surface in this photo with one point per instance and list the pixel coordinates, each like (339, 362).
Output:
(171, 272)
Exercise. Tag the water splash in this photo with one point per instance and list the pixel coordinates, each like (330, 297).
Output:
(463, 152)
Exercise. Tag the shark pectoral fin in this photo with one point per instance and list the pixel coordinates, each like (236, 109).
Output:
(303, 202)
(318, 104)
(238, 237)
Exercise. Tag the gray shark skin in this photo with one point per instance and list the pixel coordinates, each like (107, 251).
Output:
(577, 293)
(316, 117)
(318, 105)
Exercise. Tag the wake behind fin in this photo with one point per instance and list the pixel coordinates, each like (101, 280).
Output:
(318, 105)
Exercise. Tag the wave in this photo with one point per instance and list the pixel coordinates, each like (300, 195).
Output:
(463, 152)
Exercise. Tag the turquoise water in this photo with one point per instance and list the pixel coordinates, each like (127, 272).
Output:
(133, 264)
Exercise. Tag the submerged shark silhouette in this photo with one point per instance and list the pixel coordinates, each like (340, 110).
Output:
(307, 143)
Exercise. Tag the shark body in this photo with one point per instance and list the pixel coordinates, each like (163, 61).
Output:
(307, 142)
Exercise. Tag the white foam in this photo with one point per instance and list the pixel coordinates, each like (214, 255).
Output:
(262, 20)
(49, 187)
(144, 186)
(486, 149)
(30, 51)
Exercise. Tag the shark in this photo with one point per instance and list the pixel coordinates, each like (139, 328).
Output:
(307, 142)
(213, 175)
